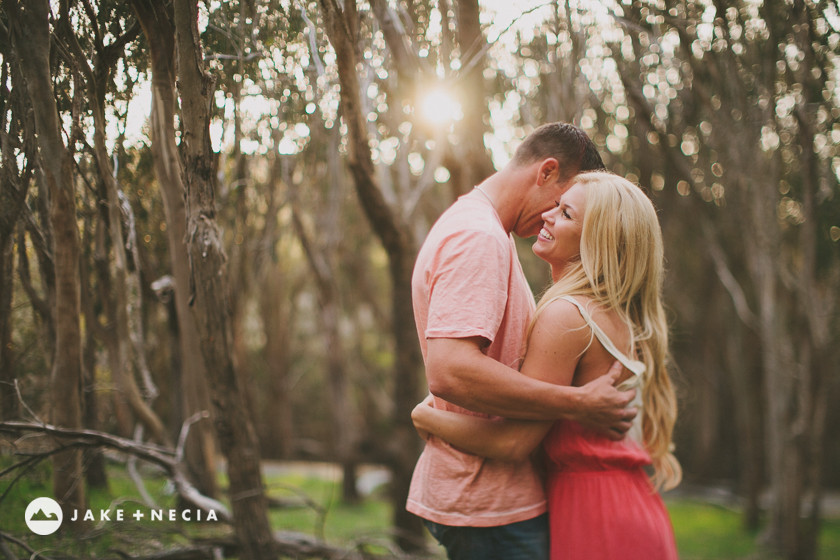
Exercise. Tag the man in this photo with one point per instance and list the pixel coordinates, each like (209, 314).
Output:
(472, 306)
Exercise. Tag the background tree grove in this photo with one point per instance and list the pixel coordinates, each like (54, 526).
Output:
(209, 214)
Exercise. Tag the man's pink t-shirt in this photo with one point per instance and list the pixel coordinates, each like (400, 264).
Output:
(468, 282)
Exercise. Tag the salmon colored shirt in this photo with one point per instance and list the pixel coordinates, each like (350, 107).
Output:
(468, 282)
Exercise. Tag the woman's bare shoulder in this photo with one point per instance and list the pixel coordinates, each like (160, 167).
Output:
(560, 322)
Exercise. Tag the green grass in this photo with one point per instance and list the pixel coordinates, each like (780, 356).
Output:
(322, 513)
(705, 531)
(313, 506)
(710, 532)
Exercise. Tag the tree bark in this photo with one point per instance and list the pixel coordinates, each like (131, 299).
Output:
(278, 314)
(397, 239)
(472, 156)
(211, 307)
(14, 183)
(277, 433)
(344, 425)
(127, 360)
(95, 473)
(156, 20)
(30, 31)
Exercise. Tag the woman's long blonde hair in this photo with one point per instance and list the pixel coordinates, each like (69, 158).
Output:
(621, 268)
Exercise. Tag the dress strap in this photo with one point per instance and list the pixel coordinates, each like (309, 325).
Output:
(635, 366)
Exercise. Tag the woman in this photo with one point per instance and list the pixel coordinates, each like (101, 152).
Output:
(604, 245)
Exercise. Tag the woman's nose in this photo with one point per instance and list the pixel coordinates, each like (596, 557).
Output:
(547, 215)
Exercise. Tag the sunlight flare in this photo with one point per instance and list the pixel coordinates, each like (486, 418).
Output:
(438, 106)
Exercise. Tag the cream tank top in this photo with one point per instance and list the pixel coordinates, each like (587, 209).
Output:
(636, 367)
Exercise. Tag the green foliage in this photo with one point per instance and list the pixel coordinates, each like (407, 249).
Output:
(33, 481)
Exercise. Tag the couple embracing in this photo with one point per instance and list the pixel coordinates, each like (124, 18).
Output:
(548, 428)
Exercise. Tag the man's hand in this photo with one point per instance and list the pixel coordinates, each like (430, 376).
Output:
(604, 408)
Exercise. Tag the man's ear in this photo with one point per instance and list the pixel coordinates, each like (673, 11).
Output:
(549, 171)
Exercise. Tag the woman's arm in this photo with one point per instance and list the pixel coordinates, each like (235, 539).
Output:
(506, 440)
(557, 342)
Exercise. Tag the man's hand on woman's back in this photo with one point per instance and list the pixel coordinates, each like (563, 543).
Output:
(604, 408)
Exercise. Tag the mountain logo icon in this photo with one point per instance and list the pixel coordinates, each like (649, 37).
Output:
(43, 516)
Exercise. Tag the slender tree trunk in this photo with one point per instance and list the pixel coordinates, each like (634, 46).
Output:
(40, 237)
(398, 242)
(211, 308)
(278, 420)
(125, 290)
(748, 417)
(344, 428)
(473, 156)
(126, 347)
(200, 453)
(29, 24)
(320, 257)
(8, 399)
(94, 459)
(277, 313)
(102, 269)
(816, 294)
(13, 187)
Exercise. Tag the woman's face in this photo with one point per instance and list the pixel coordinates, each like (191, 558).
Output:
(558, 242)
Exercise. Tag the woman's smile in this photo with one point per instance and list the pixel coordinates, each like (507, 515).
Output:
(558, 242)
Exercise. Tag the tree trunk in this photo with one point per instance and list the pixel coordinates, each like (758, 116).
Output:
(344, 425)
(277, 414)
(797, 335)
(125, 290)
(398, 242)
(94, 459)
(126, 349)
(31, 38)
(473, 158)
(815, 291)
(102, 269)
(8, 398)
(320, 257)
(200, 453)
(13, 186)
(277, 310)
(211, 308)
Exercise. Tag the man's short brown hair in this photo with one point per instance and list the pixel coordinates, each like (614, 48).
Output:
(568, 144)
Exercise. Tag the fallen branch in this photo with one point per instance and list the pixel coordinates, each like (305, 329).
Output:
(9, 555)
(301, 546)
(163, 457)
(288, 544)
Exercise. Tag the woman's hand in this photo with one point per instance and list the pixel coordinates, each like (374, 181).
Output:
(420, 414)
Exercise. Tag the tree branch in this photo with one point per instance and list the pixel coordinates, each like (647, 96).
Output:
(161, 456)
(733, 287)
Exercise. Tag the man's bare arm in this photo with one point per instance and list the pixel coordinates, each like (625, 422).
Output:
(459, 372)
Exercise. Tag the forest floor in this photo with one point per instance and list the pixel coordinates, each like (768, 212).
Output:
(373, 476)
(370, 477)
